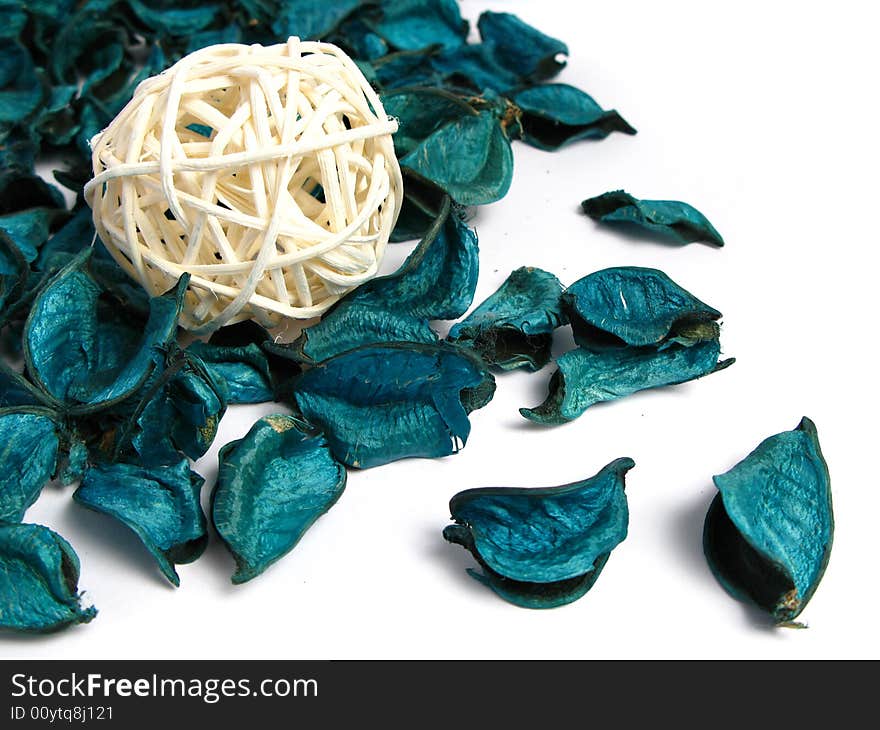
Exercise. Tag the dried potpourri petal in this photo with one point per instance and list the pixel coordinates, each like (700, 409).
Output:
(513, 327)
(769, 530)
(39, 572)
(554, 115)
(668, 219)
(422, 203)
(80, 348)
(630, 305)
(541, 548)
(380, 403)
(518, 46)
(420, 112)
(437, 281)
(310, 19)
(587, 377)
(28, 453)
(21, 91)
(272, 486)
(160, 504)
(410, 25)
(470, 158)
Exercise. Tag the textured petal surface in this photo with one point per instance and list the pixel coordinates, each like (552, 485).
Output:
(28, 452)
(414, 24)
(272, 486)
(39, 572)
(518, 46)
(161, 505)
(769, 532)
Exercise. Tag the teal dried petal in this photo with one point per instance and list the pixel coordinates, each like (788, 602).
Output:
(87, 50)
(80, 347)
(630, 305)
(39, 572)
(541, 548)
(76, 235)
(518, 46)
(311, 19)
(769, 531)
(160, 504)
(469, 158)
(513, 327)
(76, 462)
(229, 34)
(381, 403)
(21, 189)
(420, 112)
(473, 67)
(28, 452)
(16, 390)
(422, 203)
(241, 364)
(20, 89)
(29, 229)
(14, 275)
(669, 220)
(437, 281)
(272, 486)
(586, 377)
(411, 25)
(171, 19)
(360, 40)
(554, 115)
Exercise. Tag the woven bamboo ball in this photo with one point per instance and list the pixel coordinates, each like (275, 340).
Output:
(267, 173)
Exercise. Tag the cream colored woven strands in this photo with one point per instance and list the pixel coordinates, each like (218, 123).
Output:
(266, 173)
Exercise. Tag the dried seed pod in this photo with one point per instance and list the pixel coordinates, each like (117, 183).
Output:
(769, 530)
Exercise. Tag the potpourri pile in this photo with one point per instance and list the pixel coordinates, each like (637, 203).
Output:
(96, 390)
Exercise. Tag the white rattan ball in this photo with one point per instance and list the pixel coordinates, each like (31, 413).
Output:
(267, 173)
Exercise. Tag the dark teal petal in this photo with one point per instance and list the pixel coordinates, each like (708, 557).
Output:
(28, 452)
(437, 281)
(360, 40)
(629, 305)
(554, 115)
(671, 220)
(469, 158)
(381, 403)
(415, 24)
(422, 203)
(174, 20)
(29, 229)
(586, 377)
(16, 390)
(513, 327)
(82, 348)
(420, 112)
(272, 486)
(473, 67)
(240, 363)
(39, 572)
(20, 89)
(541, 548)
(406, 69)
(518, 46)
(311, 20)
(769, 530)
(74, 236)
(160, 504)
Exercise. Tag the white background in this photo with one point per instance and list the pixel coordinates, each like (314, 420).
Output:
(764, 116)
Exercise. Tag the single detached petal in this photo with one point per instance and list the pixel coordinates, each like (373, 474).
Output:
(410, 25)
(437, 281)
(160, 504)
(381, 403)
(587, 377)
(28, 452)
(518, 46)
(513, 327)
(39, 572)
(554, 115)
(669, 219)
(541, 548)
(470, 158)
(272, 486)
(629, 305)
(768, 533)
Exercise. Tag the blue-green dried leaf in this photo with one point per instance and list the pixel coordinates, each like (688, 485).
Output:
(518, 46)
(160, 504)
(16, 390)
(20, 88)
(422, 203)
(469, 158)
(630, 305)
(29, 229)
(235, 357)
(28, 452)
(81, 348)
(541, 548)
(362, 42)
(311, 19)
(474, 67)
(768, 533)
(437, 281)
(554, 115)
(513, 327)
(669, 220)
(381, 403)
(171, 19)
(272, 486)
(39, 572)
(420, 112)
(415, 24)
(586, 377)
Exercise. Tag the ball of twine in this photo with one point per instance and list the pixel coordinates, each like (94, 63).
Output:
(266, 173)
